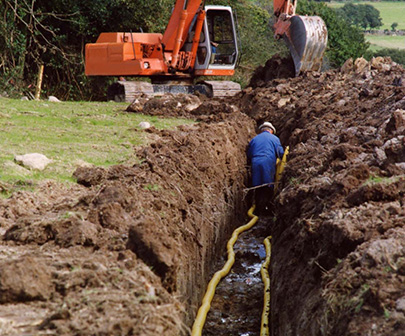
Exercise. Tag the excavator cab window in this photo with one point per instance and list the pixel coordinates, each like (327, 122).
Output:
(217, 46)
(221, 32)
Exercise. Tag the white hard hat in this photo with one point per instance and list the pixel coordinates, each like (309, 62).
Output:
(267, 125)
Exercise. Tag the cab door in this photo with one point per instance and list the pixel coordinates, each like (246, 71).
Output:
(218, 46)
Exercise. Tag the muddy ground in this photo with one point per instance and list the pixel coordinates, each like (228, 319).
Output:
(128, 250)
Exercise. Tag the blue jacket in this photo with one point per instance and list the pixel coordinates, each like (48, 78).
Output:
(263, 151)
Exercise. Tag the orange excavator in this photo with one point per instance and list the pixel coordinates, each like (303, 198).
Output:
(200, 40)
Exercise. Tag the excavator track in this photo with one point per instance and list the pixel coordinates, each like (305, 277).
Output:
(128, 91)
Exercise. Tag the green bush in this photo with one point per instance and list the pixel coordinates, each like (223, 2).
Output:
(397, 55)
(54, 33)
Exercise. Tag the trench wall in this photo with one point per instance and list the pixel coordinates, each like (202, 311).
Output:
(129, 249)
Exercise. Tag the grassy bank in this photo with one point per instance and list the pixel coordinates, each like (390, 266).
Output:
(69, 133)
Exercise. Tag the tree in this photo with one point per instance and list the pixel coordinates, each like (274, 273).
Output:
(361, 15)
(55, 32)
(394, 26)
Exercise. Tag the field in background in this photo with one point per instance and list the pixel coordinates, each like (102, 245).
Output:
(385, 41)
(390, 12)
(69, 133)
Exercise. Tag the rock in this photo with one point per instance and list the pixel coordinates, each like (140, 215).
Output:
(380, 64)
(341, 103)
(283, 101)
(380, 155)
(82, 163)
(396, 122)
(347, 67)
(192, 105)
(401, 165)
(33, 161)
(383, 252)
(24, 98)
(361, 65)
(144, 125)
(23, 280)
(400, 304)
(53, 99)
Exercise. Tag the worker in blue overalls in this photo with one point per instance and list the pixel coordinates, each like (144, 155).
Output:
(262, 153)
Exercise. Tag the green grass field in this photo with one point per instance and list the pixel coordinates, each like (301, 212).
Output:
(390, 12)
(384, 41)
(69, 133)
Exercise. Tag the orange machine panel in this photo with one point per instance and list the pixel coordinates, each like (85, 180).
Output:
(118, 59)
(214, 72)
(148, 38)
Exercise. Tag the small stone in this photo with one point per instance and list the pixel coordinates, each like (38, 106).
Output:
(33, 161)
(283, 101)
(347, 67)
(341, 103)
(400, 304)
(24, 98)
(144, 125)
(53, 99)
(400, 165)
(361, 65)
(380, 155)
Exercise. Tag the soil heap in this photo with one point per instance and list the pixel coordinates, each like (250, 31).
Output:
(127, 250)
(338, 261)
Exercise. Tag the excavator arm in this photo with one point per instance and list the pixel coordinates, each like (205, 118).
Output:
(305, 36)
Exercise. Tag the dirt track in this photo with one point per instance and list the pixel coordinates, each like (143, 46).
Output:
(129, 249)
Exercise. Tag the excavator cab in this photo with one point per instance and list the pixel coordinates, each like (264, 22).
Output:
(217, 51)
(305, 36)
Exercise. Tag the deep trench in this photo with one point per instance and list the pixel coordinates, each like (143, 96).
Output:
(237, 306)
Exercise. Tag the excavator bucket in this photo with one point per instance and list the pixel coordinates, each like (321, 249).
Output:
(306, 38)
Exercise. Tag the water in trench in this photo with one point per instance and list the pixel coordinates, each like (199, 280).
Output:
(237, 306)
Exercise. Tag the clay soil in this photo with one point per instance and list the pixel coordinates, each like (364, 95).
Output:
(129, 249)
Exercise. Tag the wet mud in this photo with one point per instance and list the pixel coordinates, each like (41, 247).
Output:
(237, 306)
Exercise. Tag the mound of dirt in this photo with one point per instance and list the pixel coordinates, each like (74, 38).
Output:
(179, 105)
(275, 68)
(127, 251)
(338, 243)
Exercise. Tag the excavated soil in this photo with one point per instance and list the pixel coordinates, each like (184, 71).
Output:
(129, 249)
(339, 233)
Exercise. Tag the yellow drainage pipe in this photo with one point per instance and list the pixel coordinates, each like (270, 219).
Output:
(280, 168)
(206, 303)
(264, 271)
